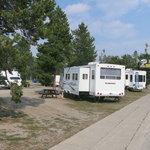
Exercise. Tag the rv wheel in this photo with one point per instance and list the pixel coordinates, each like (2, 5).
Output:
(117, 99)
(101, 99)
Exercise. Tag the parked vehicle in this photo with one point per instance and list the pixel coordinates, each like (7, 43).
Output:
(94, 79)
(13, 77)
(135, 80)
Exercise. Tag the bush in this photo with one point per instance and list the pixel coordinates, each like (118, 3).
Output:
(16, 93)
(25, 84)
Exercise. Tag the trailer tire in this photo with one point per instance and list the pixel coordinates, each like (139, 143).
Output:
(117, 99)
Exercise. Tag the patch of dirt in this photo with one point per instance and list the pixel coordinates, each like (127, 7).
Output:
(49, 121)
(38, 124)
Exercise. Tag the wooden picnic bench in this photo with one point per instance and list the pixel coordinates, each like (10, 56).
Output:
(51, 92)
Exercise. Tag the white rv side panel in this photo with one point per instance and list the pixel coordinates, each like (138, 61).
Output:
(136, 79)
(93, 79)
(71, 80)
(110, 80)
(84, 80)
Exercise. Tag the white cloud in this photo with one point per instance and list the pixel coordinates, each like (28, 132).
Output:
(114, 9)
(112, 30)
(145, 1)
(77, 8)
(117, 29)
(117, 8)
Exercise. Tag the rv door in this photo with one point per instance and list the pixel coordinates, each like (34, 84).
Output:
(136, 80)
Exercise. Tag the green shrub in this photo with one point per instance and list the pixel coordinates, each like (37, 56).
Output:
(25, 84)
(16, 93)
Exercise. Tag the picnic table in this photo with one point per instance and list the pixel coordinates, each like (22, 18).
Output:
(51, 92)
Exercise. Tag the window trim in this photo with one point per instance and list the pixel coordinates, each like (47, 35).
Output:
(84, 76)
(109, 76)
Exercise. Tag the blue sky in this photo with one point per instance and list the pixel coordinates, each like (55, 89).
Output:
(118, 26)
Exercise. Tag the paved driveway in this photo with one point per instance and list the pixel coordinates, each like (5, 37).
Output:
(126, 129)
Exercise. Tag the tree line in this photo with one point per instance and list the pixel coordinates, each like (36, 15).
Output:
(132, 61)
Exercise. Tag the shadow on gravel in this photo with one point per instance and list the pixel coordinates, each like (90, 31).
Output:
(91, 99)
(10, 113)
(34, 102)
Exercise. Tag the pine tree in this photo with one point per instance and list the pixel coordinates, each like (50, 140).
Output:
(56, 52)
(83, 45)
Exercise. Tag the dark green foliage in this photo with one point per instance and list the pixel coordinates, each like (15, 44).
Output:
(46, 78)
(2, 80)
(55, 53)
(130, 61)
(15, 53)
(113, 60)
(8, 52)
(23, 58)
(16, 93)
(27, 16)
(84, 49)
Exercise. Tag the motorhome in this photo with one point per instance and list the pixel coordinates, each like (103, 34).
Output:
(94, 79)
(12, 77)
(135, 79)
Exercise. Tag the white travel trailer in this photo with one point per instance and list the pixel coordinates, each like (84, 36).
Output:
(13, 77)
(94, 79)
(135, 79)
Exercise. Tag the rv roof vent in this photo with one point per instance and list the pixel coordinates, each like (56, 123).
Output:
(92, 63)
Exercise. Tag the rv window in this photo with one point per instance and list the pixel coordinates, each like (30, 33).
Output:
(131, 78)
(85, 76)
(67, 76)
(14, 78)
(126, 77)
(136, 78)
(110, 73)
(74, 76)
(93, 74)
(141, 78)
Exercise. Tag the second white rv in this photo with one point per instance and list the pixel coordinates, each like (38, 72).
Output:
(94, 79)
(13, 77)
(135, 80)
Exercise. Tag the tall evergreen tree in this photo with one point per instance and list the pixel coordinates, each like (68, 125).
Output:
(56, 51)
(83, 45)
(135, 57)
(102, 57)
